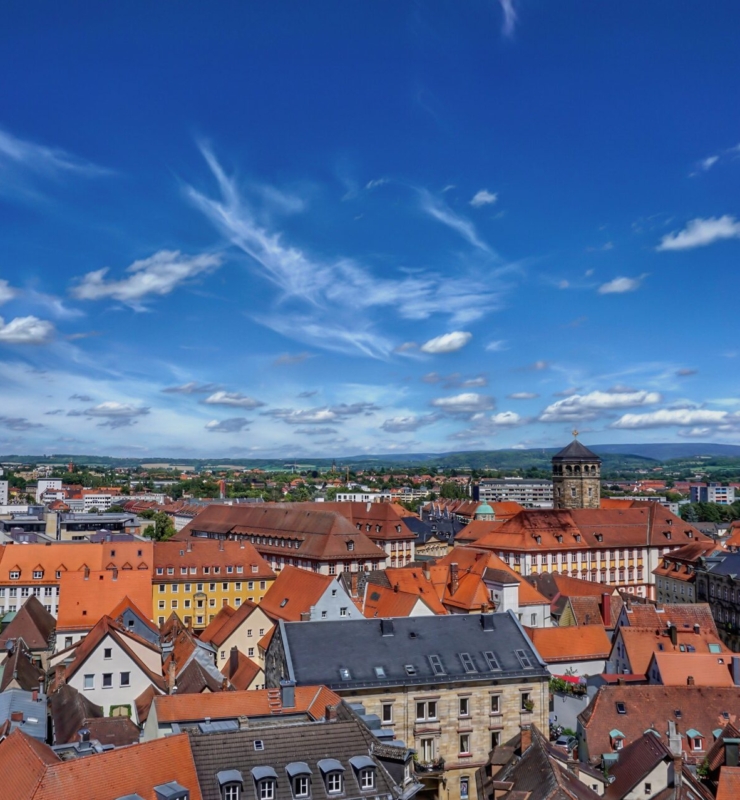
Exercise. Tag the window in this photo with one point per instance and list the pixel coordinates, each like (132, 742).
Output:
(174, 604)
(495, 704)
(231, 792)
(323, 615)
(437, 666)
(426, 709)
(342, 612)
(89, 682)
(622, 708)
(125, 679)
(648, 789)
(492, 661)
(263, 584)
(67, 641)
(38, 574)
(262, 631)
(386, 712)
(14, 574)
(108, 653)
(495, 739)
(467, 662)
(267, 790)
(367, 779)
(161, 587)
(526, 700)
(301, 786)
(333, 783)
(426, 750)
(524, 659)
(463, 709)
(170, 570)
(250, 652)
(107, 680)
(350, 545)
(464, 788)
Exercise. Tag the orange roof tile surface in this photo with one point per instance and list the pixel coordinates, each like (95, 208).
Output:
(705, 669)
(246, 671)
(574, 643)
(728, 786)
(380, 601)
(256, 703)
(23, 763)
(85, 597)
(72, 557)
(379, 521)
(211, 554)
(294, 592)
(412, 580)
(640, 644)
(683, 615)
(226, 622)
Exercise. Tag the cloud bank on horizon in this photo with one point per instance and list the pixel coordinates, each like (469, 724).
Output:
(339, 248)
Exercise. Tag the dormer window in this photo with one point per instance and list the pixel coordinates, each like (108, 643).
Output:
(265, 779)
(332, 770)
(38, 574)
(350, 545)
(364, 768)
(299, 775)
(15, 574)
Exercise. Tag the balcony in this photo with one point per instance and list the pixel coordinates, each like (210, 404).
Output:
(429, 767)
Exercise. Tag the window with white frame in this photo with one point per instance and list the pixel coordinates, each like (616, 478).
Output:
(231, 791)
(333, 783)
(367, 779)
(301, 786)
(426, 709)
(267, 790)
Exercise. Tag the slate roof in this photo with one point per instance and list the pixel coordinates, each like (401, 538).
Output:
(538, 775)
(636, 761)
(653, 707)
(341, 739)
(33, 623)
(15, 701)
(576, 451)
(347, 654)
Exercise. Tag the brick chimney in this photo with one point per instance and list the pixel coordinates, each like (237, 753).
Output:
(673, 633)
(526, 737)
(690, 680)
(233, 661)
(330, 713)
(353, 584)
(171, 677)
(454, 579)
(16, 716)
(606, 609)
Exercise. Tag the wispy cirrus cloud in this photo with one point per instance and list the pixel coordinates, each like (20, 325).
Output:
(192, 387)
(231, 425)
(409, 423)
(327, 302)
(510, 17)
(157, 275)
(439, 210)
(701, 232)
(667, 417)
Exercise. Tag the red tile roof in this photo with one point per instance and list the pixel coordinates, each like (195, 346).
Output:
(23, 764)
(226, 622)
(85, 597)
(683, 615)
(728, 787)
(640, 644)
(211, 554)
(380, 601)
(246, 671)
(705, 669)
(573, 643)
(310, 700)
(380, 521)
(294, 592)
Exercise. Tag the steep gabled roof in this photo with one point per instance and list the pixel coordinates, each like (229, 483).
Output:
(636, 761)
(19, 668)
(23, 764)
(226, 622)
(728, 787)
(69, 710)
(246, 671)
(294, 592)
(641, 643)
(33, 623)
(705, 669)
(383, 602)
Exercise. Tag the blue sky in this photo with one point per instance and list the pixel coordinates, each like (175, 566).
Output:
(289, 228)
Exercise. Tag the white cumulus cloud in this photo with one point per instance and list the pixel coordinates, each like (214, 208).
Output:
(701, 232)
(507, 419)
(621, 285)
(7, 292)
(465, 403)
(674, 416)
(447, 343)
(114, 414)
(157, 275)
(234, 399)
(483, 198)
(591, 405)
(26, 330)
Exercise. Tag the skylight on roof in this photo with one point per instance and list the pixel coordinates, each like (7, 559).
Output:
(492, 661)
(379, 672)
(524, 659)
(621, 708)
(468, 663)
(259, 744)
(437, 666)
(345, 674)
(410, 669)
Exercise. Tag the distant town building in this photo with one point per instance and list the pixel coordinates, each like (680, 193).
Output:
(713, 493)
(528, 492)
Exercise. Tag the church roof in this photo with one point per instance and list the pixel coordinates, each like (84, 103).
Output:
(575, 451)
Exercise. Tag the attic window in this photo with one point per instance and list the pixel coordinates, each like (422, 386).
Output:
(437, 666)
(468, 663)
(259, 744)
(350, 545)
(284, 603)
(667, 534)
(560, 539)
(599, 537)
(379, 672)
(410, 669)
(345, 674)
(492, 661)
(523, 659)
(677, 713)
(621, 708)
(577, 537)
(690, 534)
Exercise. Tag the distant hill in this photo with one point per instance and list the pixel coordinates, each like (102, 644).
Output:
(615, 456)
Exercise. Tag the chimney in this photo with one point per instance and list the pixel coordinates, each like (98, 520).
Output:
(233, 660)
(454, 581)
(190, 546)
(368, 506)
(677, 776)
(674, 740)
(115, 573)
(35, 696)
(221, 545)
(243, 722)
(287, 694)
(84, 734)
(526, 737)
(87, 573)
(606, 609)
(241, 543)
(697, 627)
(690, 680)
(395, 587)
(41, 685)
(330, 713)
(673, 633)
(486, 622)
(305, 616)
(171, 682)
(16, 716)
(427, 572)
(731, 753)
(353, 584)
(386, 627)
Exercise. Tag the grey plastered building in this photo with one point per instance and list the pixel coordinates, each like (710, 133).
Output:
(453, 687)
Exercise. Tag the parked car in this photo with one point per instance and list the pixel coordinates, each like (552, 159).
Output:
(566, 742)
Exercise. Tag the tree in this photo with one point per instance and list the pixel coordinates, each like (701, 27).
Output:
(116, 510)
(163, 528)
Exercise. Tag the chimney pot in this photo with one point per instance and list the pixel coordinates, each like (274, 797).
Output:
(454, 580)
(330, 713)
(690, 680)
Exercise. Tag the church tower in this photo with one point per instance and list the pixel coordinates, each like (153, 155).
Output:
(576, 477)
